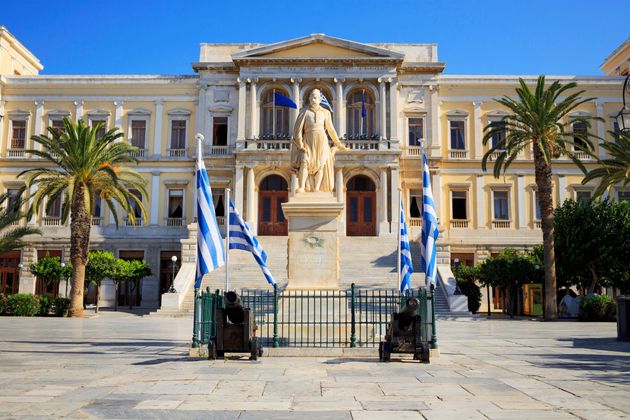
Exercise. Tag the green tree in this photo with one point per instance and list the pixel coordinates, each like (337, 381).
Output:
(592, 246)
(467, 276)
(11, 236)
(128, 271)
(100, 266)
(86, 167)
(48, 269)
(538, 119)
(614, 171)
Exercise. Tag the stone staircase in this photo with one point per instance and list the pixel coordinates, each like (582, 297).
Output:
(369, 262)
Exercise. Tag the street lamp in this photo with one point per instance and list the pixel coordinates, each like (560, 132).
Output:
(623, 117)
(63, 265)
(172, 288)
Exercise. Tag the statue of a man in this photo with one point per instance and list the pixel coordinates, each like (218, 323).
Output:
(310, 153)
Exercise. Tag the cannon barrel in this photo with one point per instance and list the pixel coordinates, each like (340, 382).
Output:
(234, 307)
(408, 312)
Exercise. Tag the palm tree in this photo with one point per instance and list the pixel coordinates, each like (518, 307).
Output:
(10, 234)
(615, 170)
(86, 167)
(539, 120)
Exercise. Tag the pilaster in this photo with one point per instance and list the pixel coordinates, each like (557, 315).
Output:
(340, 111)
(242, 103)
(477, 130)
(394, 196)
(118, 114)
(521, 223)
(295, 93)
(383, 109)
(78, 114)
(384, 224)
(253, 114)
(250, 198)
(480, 199)
(157, 139)
(393, 93)
(155, 197)
(238, 187)
(435, 143)
(601, 129)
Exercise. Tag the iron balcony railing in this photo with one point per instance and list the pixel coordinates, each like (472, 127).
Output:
(322, 318)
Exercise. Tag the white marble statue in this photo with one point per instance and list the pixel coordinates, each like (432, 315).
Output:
(311, 154)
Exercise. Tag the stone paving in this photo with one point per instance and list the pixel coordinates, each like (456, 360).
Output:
(125, 366)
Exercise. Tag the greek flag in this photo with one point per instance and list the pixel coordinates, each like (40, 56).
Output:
(243, 238)
(406, 265)
(324, 103)
(429, 226)
(210, 248)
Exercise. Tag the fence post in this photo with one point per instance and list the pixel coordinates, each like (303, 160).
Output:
(433, 323)
(275, 315)
(353, 332)
(195, 337)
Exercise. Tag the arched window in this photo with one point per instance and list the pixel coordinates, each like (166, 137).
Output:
(274, 126)
(323, 89)
(359, 127)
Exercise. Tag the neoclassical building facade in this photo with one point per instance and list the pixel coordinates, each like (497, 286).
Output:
(409, 104)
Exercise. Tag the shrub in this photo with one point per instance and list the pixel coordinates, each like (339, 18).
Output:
(3, 304)
(45, 303)
(595, 308)
(472, 292)
(60, 306)
(22, 304)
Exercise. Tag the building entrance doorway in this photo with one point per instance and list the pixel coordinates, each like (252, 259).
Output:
(9, 272)
(272, 193)
(360, 207)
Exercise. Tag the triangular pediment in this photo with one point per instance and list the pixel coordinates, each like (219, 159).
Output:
(317, 46)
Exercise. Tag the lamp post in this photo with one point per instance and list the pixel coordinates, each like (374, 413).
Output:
(63, 265)
(623, 117)
(172, 288)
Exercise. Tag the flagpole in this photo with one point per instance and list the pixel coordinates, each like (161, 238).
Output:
(273, 116)
(362, 105)
(399, 237)
(226, 204)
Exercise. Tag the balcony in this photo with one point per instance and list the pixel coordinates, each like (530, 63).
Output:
(177, 153)
(415, 221)
(97, 221)
(362, 144)
(212, 150)
(139, 154)
(133, 223)
(495, 155)
(582, 155)
(415, 151)
(16, 153)
(459, 224)
(458, 154)
(174, 221)
(51, 221)
(276, 144)
(501, 224)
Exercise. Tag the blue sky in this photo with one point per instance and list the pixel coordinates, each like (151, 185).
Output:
(473, 37)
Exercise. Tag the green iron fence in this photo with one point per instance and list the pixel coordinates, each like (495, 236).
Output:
(327, 318)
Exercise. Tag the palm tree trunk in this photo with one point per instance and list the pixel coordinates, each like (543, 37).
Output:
(543, 181)
(79, 243)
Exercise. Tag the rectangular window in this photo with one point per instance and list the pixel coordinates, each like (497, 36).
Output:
(583, 196)
(218, 198)
(101, 131)
(501, 205)
(458, 141)
(415, 204)
(178, 134)
(53, 209)
(176, 203)
(18, 135)
(579, 128)
(12, 195)
(498, 137)
(219, 131)
(615, 126)
(458, 205)
(137, 211)
(537, 214)
(416, 131)
(138, 133)
(57, 123)
(623, 196)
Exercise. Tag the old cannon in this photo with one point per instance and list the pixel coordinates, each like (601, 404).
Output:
(235, 329)
(404, 334)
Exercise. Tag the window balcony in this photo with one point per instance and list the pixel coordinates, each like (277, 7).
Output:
(134, 223)
(415, 221)
(139, 154)
(174, 221)
(281, 145)
(212, 150)
(582, 155)
(501, 224)
(16, 153)
(495, 155)
(362, 144)
(413, 151)
(458, 154)
(178, 153)
(51, 221)
(97, 221)
(459, 224)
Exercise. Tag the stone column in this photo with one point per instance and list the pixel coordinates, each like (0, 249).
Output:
(155, 198)
(384, 224)
(339, 185)
(250, 197)
(39, 113)
(601, 129)
(393, 93)
(477, 130)
(295, 93)
(78, 110)
(238, 188)
(437, 196)
(340, 111)
(118, 114)
(242, 103)
(395, 197)
(562, 189)
(157, 135)
(383, 108)
(521, 223)
(480, 200)
(253, 122)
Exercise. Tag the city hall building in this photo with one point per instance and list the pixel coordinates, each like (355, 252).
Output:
(409, 104)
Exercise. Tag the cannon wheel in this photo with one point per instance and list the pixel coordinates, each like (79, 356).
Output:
(254, 349)
(212, 350)
(384, 352)
(425, 354)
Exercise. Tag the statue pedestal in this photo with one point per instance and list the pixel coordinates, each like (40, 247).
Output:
(313, 240)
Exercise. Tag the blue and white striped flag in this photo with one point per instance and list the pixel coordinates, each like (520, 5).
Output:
(406, 265)
(241, 237)
(429, 226)
(324, 103)
(210, 247)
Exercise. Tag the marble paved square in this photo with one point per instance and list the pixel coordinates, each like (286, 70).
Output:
(124, 366)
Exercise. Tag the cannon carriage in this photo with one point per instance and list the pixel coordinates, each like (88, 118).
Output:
(404, 334)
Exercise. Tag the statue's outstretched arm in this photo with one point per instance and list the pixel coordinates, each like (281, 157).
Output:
(297, 130)
(330, 128)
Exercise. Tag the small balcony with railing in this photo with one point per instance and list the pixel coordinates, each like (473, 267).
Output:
(97, 221)
(501, 224)
(174, 221)
(51, 221)
(459, 223)
(213, 150)
(178, 153)
(141, 153)
(458, 154)
(16, 153)
(136, 222)
(415, 221)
